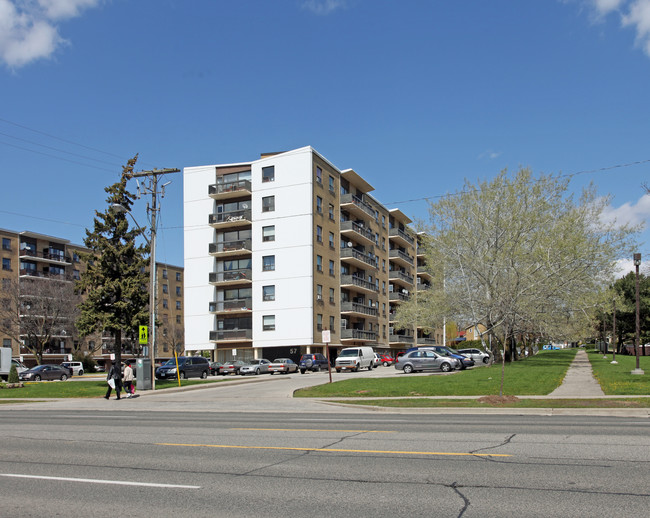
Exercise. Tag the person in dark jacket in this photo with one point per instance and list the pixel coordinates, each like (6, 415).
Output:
(115, 375)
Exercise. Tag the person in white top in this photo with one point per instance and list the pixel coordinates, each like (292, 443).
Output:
(128, 380)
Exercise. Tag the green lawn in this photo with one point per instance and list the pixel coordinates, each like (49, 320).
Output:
(538, 375)
(521, 403)
(81, 389)
(616, 379)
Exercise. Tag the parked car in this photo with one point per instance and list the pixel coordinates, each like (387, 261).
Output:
(424, 359)
(355, 358)
(75, 368)
(463, 361)
(188, 367)
(377, 361)
(255, 367)
(231, 367)
(45, 372)
(283, 365)
(477, 355)
(312, 362)
(386, 360)
(214, 368)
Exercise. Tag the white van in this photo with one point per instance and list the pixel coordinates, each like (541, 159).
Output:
(355, 358)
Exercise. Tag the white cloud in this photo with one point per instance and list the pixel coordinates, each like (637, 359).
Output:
(324, 7)
(28, 29)
(489, 154)
(629, 213)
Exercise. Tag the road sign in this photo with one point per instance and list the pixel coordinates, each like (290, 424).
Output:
(144, 338)
(326, 336)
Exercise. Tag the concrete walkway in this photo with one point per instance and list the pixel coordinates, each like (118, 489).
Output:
(579, 381)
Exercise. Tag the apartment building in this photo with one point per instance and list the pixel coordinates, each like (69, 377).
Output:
(281, 248)
(30, 256)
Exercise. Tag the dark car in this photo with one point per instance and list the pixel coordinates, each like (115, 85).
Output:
(312, 362)
(214, 368)
(231, 367)
(188, 367)
(45, 372)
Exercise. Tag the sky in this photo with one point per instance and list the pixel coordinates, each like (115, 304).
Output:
(414, 95)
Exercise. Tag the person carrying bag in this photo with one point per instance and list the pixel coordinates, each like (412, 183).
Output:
(114, 380)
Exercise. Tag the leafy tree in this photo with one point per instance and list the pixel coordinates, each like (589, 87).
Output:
(520, 256)
(115, 282)
(37, 311)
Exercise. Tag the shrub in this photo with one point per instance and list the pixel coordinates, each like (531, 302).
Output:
(13, 375)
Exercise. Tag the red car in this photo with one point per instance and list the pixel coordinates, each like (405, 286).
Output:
(386, 360)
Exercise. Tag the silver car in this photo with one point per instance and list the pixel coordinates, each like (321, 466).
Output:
(255, 367)
(476, 354)
(423, 359)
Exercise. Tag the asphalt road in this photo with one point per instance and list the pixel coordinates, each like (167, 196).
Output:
(120, 460)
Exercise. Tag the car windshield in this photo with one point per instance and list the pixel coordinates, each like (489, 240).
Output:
(453, 351)
(350, 352)
(169, 363)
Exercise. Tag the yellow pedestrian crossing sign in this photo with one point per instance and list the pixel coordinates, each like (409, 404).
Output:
(144, 334)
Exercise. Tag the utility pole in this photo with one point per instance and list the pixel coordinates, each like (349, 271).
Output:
(152, 175)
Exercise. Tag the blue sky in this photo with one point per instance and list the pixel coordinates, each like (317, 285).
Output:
(414, 95)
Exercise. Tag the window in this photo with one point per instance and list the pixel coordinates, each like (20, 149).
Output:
(383, 243)
(331, 211)
(319, 204)
(319, 322)
(178, 319)
(268, 263)
(332, 292)
(178, 291)
(165, 288)
(178, 304)
(268, 233)
(319, 292)
(319, 233)
(383, 221)
(6, 342)
(268, 292)
(268, 203)
(331, 268)
(6, 243)
(383, 265)
(75, 257)
(6, 263)
(164, 273)
(165, 304)
(319, 263)
(268, 322)
(75, 275)
(332, 184)
(331, 239)
(319, 175)
(268, 174)
(178, 276)
(332, 326)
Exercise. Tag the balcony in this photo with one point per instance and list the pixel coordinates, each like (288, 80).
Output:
(230, 248)
(357, 232)
(47, 256)
(424, 273)
(232, 306)
(233, 219)
(359, 309)
(224, 191)
(426, 341)
(231, 335)
(25, 272)
(353, 256)
(356, 205)
(358, 283)
(400, 339)
(231, 277)
(401, 278)
(359, 335)
(400, 237)
(395, 296)
(399, 257)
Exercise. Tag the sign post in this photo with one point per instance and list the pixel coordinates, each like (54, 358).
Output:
(326, 341)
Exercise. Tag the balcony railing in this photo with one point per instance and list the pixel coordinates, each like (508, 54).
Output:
(355, 307)
(397, 275)
(230, 246)
(358, 334)
(426, 341)
(398, 254)
(44, 275)
(347, 253)
(231, 305)
(359, 229)
(48, 255)
(234, 216)
(244, 274)
(397, 296)
(365, 207)
(358, 281)
(222, 188)
(392, 337)
(398, 232)
(231, 334)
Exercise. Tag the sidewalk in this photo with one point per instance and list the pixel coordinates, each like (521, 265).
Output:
(579, 381)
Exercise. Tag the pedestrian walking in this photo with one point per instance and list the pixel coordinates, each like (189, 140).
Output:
(114, 380)
(128, 380)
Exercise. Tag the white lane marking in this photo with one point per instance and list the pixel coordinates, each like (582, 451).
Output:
(98, 481)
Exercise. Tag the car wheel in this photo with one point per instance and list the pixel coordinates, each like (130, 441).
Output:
(37, 378)
(370, 367)
(408, 369)
(445, 367)
(486, 359)
(182, 375)
(302, 371)
(204, 375)
(64, 377)
(81, 373)
(385, 364)
(257, 372)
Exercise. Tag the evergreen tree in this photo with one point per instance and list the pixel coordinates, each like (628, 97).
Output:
(115, 282)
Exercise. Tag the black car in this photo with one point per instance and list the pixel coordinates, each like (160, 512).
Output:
(188, 367)
(45, 372)
(312, 362)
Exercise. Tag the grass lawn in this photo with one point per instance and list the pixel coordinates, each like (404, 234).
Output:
(538, 375)
(616, 379)
(521, 403)
(82, 389)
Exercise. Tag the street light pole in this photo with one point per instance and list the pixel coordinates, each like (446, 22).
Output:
(637, 263)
